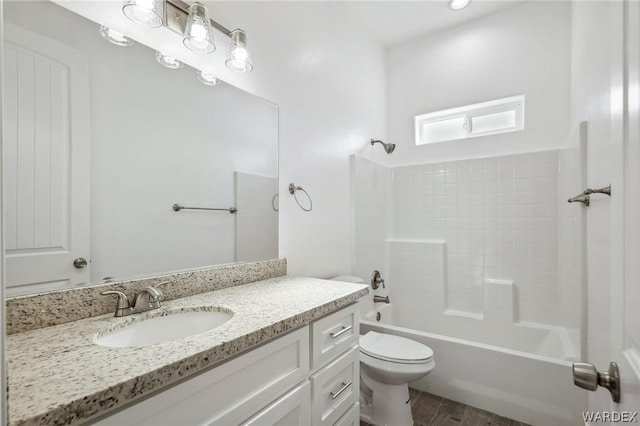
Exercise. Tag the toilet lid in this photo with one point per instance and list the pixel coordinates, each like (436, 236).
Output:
(394, 348)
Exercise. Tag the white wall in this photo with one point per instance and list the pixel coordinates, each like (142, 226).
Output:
(328, 79)
(520, 50)
(371, 216)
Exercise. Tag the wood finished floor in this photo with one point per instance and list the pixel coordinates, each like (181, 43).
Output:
(432, 410)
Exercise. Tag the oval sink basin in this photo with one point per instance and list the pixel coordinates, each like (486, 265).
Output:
(163, 329)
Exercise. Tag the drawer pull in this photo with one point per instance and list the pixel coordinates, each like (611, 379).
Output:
(341, 332)
(344, 387)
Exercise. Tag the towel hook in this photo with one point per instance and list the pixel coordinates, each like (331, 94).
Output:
(293, 189)
(585, 196)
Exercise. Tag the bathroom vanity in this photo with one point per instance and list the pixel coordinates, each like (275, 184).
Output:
(312, 373)
(288, 355)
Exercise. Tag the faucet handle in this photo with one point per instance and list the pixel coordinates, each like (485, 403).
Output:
(160, 284)
(122, 308)
(157, 287)
(376, 280)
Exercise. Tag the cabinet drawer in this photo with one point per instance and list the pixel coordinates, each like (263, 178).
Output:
(227, 394)
(334, 334)
(293, 409)
(335, 388)
(351, 417)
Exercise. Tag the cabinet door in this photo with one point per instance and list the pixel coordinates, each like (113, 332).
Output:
(228, 394)
(293, 409)
(351, 417)
(335, 388)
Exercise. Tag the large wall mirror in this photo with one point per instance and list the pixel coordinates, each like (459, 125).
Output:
(99, 143)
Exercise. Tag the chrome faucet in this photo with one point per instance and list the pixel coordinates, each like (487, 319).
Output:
(381, 299)
(145, 300)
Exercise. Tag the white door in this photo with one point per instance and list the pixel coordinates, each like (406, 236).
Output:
(45, 159)
(607, 95)
(626, 298)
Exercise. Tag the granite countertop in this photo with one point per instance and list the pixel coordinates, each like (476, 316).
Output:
(58, 375)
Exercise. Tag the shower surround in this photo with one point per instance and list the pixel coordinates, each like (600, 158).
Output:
(480, 264)
(469, 248)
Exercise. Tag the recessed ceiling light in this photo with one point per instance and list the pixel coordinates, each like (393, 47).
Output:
(168, 61)
(458, 4)
(113, 36)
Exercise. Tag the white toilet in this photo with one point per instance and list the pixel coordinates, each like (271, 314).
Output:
(387, 364)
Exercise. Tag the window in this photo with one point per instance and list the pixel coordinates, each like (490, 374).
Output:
(486, 118)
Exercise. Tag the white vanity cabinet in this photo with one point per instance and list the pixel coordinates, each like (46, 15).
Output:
(307, 377)
(335, 378)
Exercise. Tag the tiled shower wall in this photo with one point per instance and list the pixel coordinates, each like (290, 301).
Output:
(371, 195)
(497, 216)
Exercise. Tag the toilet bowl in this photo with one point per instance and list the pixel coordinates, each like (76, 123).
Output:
(387, 364)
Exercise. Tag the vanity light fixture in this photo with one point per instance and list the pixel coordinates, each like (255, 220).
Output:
(144, 12)
(198, 34)
(239, 56)
(458, 4)
(207, 79)
(113, 36)
(192, 23)
(168, 61)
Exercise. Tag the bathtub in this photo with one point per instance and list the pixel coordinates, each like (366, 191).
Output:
(535, 388)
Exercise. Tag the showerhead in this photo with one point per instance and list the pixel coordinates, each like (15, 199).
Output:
(388, 147)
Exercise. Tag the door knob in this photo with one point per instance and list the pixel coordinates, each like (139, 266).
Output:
(80, 262)
(587, 377)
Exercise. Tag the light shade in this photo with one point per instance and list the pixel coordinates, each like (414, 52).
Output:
(198, 34)
(207, 78)
(168, 61)
(145, 12)
(239, 56)
(115, 37)
(458, 4)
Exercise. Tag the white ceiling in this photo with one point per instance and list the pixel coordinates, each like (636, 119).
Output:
(396, 21)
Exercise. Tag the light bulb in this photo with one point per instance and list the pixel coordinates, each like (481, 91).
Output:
(113, 36)
(198, 33)
(198, 39)
(168, 61)
(458, 4)
(239, 57)
(207, 78)
(144, 12)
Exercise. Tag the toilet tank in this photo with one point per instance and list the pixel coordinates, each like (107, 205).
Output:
(348, 279)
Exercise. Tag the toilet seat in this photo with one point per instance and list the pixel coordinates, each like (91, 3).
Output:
(396, 349)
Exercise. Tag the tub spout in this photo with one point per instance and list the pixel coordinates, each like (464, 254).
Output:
(380, 299)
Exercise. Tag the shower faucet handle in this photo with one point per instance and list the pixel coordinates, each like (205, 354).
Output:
(376, 280)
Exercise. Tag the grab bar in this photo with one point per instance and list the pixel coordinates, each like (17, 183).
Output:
(178, 207)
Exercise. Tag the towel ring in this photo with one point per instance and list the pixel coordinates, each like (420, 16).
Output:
(273, 202)
(292, 190)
